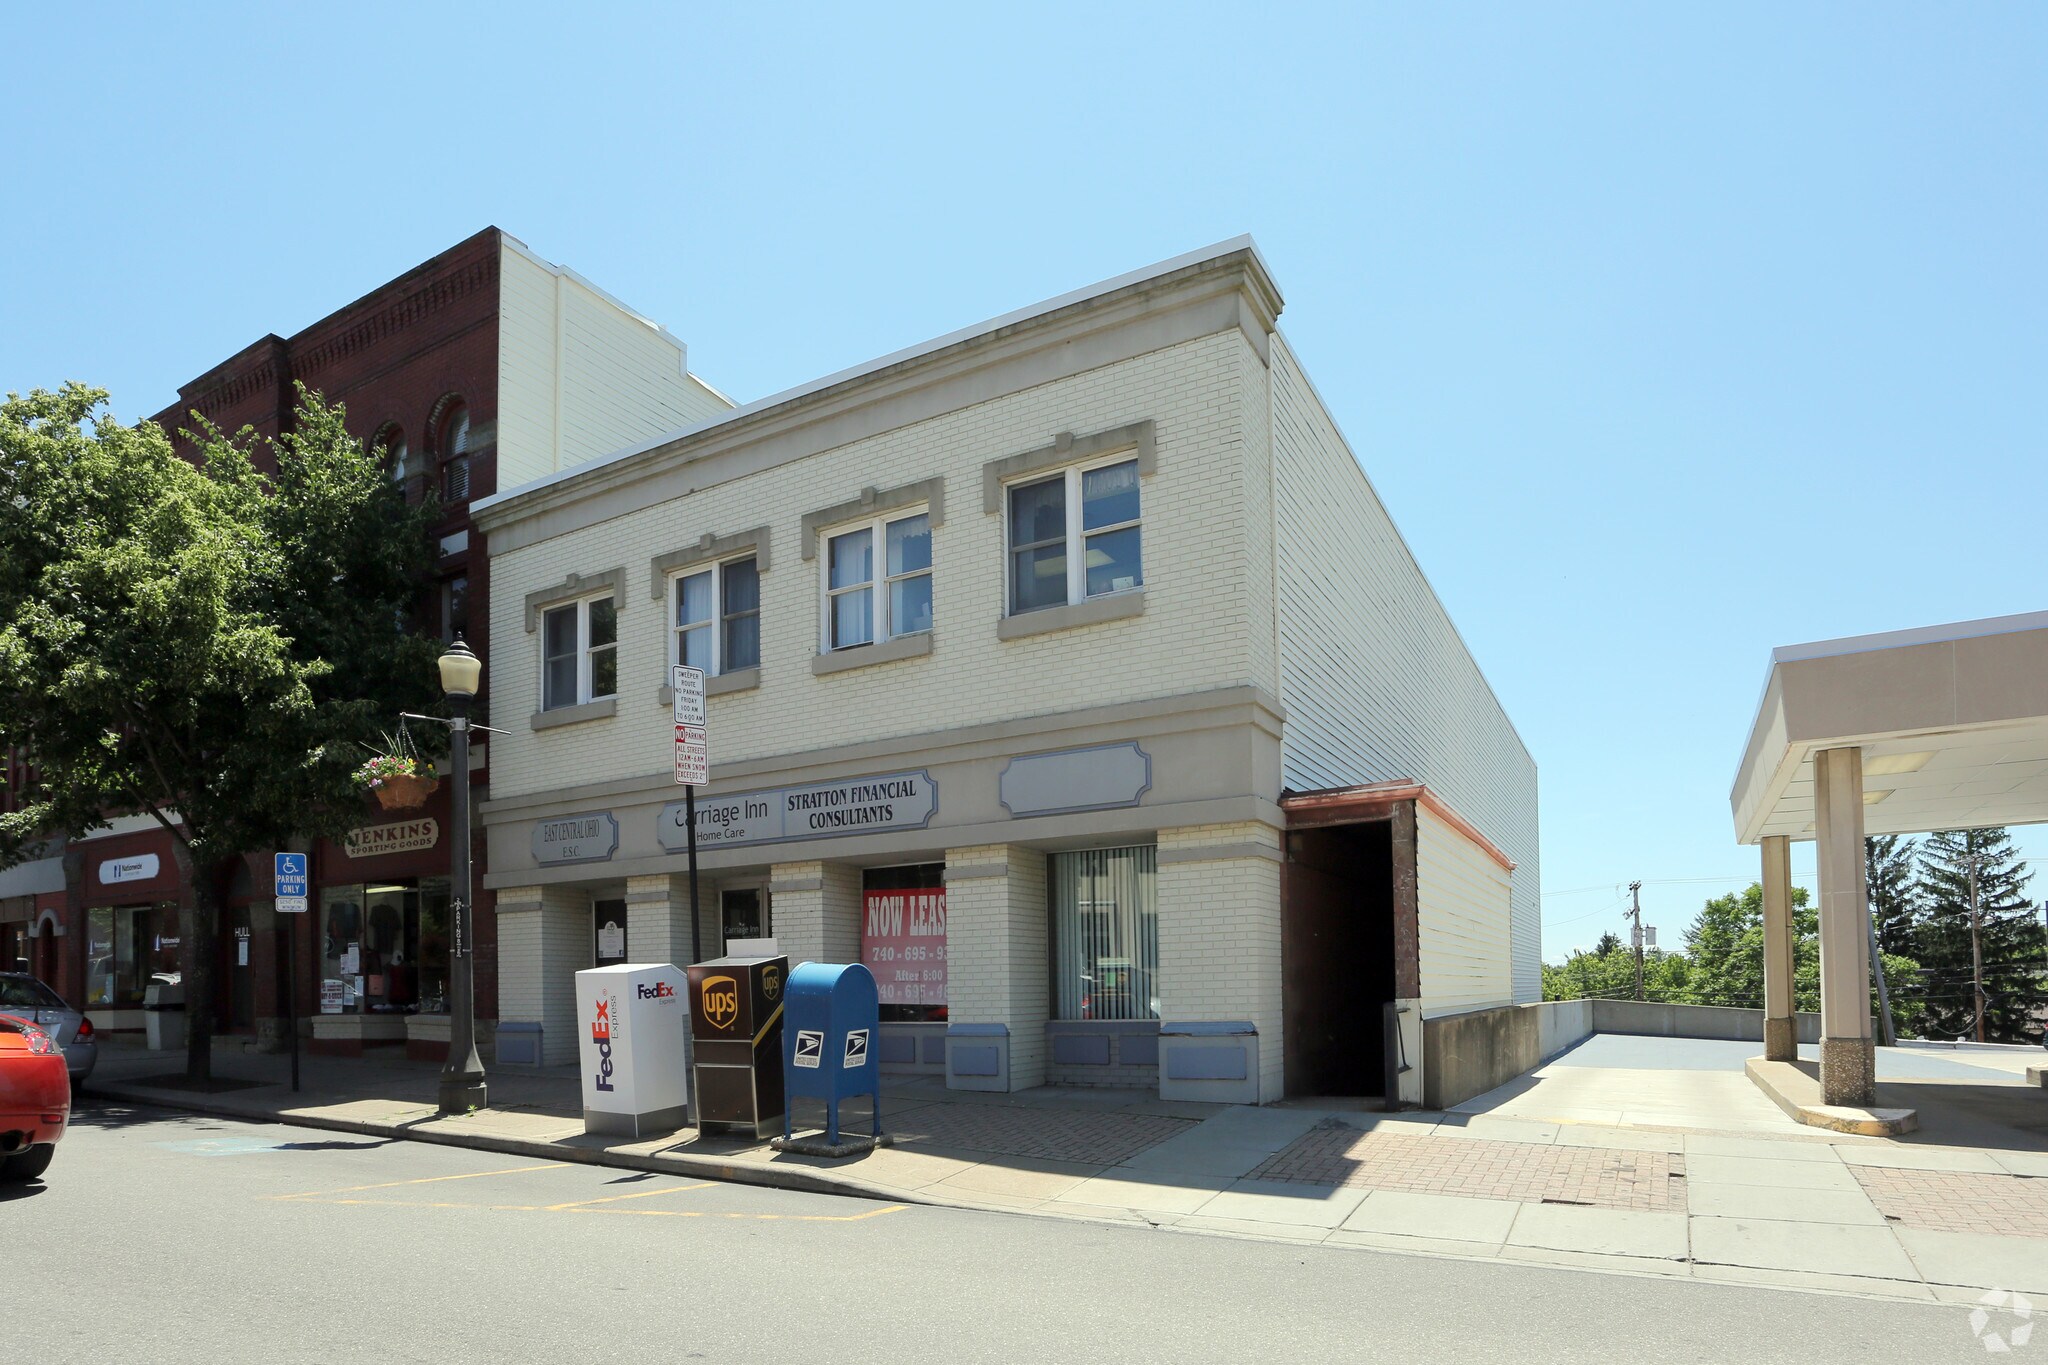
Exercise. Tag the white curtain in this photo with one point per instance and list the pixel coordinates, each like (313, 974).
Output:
(1105, 933)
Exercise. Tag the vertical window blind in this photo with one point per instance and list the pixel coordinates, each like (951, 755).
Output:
(1105, 933)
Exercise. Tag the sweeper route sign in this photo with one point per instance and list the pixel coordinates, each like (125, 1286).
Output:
(693, 740)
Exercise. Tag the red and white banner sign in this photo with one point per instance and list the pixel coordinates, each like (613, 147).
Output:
(903, 942)
(693, 755)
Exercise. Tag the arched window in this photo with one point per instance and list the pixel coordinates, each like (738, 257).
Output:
(451, 449)
(388, 446)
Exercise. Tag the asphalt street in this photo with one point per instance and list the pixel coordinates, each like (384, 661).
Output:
(174, 1237)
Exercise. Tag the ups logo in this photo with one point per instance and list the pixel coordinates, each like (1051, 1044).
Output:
(721, 996)
(771, 981)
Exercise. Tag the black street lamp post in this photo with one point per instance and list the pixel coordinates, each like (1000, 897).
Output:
(462, 1076)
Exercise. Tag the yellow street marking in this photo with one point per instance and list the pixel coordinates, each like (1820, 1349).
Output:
(423, 1180)
(638, 1194)
(756, 1217)
(587, 1208)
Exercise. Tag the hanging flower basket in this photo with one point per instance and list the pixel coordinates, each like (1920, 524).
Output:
(407, 791)
(395, 777)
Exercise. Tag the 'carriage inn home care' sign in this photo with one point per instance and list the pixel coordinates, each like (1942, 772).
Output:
(861, 805)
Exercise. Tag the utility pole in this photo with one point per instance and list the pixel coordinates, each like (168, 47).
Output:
(1635, 891)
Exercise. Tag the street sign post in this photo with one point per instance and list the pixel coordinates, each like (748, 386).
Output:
(693, 770)
(290, 873)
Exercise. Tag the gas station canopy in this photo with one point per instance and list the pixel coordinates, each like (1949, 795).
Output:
(1952, 721)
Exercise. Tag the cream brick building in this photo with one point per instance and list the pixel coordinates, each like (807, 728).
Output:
(1084, 625)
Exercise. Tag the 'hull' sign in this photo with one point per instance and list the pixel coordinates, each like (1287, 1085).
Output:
(823, 810)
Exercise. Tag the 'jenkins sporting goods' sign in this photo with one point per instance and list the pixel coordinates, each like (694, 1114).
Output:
(823, 810)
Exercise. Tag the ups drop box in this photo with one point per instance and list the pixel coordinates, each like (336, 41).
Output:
(736, 1022)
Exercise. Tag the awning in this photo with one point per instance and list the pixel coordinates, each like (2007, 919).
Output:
(1952, 721)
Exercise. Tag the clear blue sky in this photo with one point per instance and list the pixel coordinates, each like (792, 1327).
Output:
(1668, 334)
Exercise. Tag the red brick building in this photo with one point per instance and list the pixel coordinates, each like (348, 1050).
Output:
(482, 368)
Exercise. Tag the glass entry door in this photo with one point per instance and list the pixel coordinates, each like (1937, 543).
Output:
(743, 913)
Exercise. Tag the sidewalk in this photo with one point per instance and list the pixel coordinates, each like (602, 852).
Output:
(1798, 1209)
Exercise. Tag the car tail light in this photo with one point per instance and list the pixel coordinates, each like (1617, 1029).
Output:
(84, 1030)
(53, 1120)
(39, 1042)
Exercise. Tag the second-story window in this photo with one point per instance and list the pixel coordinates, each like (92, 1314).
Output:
(452, 445)
(1074, 536)
(717, 616)
(579, 652)
(878, 581)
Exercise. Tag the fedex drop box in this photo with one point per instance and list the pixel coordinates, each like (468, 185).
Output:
(630, 1025)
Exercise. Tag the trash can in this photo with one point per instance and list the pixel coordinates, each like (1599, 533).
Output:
(736, 1025)
(834, 1018)
(163, 1004)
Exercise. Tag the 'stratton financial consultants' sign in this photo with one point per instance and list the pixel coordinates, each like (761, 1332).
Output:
(400, 836)
(823, 810)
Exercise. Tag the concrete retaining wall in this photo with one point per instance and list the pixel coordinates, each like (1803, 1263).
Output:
(1469, 1054)
(1688, 1021)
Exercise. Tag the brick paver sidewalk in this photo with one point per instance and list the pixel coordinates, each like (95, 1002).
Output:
(1958, 1201)
(1336, 1153)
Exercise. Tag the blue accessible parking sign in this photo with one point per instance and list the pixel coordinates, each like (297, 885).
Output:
(291, 883)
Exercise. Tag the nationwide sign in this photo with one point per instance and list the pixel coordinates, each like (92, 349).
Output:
(822, 810)
(400, 836)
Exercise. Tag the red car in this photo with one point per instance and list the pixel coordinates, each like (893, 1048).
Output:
(35, 1098)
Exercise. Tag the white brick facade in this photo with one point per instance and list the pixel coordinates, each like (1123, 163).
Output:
(1282, 639)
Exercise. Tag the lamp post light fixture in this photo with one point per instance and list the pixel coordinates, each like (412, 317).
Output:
(462, 1075)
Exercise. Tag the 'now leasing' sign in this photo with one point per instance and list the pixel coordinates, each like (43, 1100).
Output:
(822, 810)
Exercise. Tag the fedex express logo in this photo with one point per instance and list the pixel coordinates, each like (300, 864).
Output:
(601, 1034)
(660, 990)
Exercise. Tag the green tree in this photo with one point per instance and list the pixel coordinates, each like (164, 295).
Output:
(1891, 871)
(201, 641)
(2008, 929)
(1725, 946)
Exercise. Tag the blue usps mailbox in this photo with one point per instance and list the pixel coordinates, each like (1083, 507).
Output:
(829, 1052)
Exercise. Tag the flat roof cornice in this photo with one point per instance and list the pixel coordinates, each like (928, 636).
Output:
(1231, 265)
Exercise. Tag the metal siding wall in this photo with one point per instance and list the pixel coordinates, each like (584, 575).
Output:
(1462, 898)
(1376, 682)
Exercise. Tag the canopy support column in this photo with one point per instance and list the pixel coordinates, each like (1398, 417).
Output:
(1848, 1056)
(1781, 1025)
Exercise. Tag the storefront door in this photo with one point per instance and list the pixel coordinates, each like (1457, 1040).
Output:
(743, 913)
(608, 927)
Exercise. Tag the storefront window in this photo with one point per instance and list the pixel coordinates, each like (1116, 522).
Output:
(903, 939)
(124, 946)
(384, 948)
(1105, 933)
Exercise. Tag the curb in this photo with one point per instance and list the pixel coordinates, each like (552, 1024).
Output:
(1793, 1091)
(804, 1181)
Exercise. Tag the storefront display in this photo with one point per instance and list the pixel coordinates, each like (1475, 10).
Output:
(903, 939)
(384, 948)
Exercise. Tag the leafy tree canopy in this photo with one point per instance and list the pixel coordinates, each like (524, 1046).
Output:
(212, 642)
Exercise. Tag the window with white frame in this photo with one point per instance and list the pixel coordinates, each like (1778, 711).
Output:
(1074, 535)
(715, 613)
(878, 581)
(579, 652)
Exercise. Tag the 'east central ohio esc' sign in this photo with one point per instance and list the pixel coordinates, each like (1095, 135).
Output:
(861, 805)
